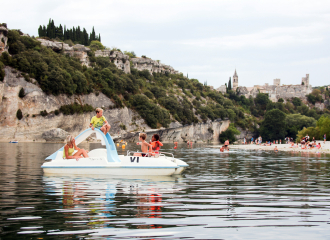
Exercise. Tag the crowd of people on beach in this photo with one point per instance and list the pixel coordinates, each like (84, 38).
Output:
(304, 143)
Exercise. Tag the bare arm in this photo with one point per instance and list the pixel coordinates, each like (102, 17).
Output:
(74, 144)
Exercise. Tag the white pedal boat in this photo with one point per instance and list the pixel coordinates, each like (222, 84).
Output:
(106, 161)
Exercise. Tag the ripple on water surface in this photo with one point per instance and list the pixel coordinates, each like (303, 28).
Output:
(241, 194)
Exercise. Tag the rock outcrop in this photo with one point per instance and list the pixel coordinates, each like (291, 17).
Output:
(118, 58)
(243, 134)
(55, 135)
(79, 51)
(201, 132)
(3, 38)
(152, 66)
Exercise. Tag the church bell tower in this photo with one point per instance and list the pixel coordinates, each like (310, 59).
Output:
(235, 81)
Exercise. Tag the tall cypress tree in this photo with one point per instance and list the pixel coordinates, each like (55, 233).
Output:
(44, 31)
(229, 84)
(40, 33)
(53, 30)
(64, 33)
(75, 34)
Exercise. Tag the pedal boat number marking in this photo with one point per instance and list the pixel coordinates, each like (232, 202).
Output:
(133, 159)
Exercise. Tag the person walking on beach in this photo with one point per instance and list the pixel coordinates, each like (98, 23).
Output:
(324, 138)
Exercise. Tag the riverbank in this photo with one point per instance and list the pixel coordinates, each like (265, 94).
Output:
(325, 148)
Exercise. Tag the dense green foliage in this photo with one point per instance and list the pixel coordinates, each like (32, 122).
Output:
(273, 126)
(19, 114)
(2, 71)
(75, 108)
(322, 127)
(296, 122)
(75, 34)
(229, 134)
(21, 93)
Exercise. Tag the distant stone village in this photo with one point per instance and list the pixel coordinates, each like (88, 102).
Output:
(275, 91)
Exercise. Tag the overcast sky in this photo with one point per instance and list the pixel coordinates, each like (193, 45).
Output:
(263, 40)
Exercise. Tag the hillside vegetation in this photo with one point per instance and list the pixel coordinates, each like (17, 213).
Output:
(158, 98)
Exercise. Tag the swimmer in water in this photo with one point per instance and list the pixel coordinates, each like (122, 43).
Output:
(175, 145)
(275, 149)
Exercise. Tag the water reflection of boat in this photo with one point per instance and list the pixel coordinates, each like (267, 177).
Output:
(78, 191)
(107, 161)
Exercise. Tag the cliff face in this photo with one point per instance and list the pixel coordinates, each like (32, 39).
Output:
(3, 39)
(118, 58)
(152, 66)
(79, 51)
(32, 126)
(200, 132)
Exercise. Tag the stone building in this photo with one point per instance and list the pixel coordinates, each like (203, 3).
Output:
(275, 91)
(223, 88)
(235, 81)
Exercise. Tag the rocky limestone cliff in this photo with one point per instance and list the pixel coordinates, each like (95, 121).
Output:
(79, 51)
(3, 39)
(118, 58)
(152, 66)
(34, 127)
(201, 132)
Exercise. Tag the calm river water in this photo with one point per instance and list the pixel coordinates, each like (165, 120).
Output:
(241, 195)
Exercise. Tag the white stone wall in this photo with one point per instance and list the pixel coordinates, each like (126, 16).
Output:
(152, 66)
(118, 58)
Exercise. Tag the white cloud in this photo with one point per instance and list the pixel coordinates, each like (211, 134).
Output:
(271, 37)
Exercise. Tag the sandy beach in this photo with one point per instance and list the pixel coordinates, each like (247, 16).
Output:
(325, 148)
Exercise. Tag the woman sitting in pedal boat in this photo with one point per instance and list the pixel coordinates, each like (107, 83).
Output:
(70, 147)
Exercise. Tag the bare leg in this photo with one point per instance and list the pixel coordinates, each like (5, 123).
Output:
(103, 129)
(81, 152)
(107, 127)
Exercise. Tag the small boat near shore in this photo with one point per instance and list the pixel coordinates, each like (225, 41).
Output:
(13, 141)
(106, 161)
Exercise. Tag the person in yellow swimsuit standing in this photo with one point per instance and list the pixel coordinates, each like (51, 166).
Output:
(70, 147)
(100, 122)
